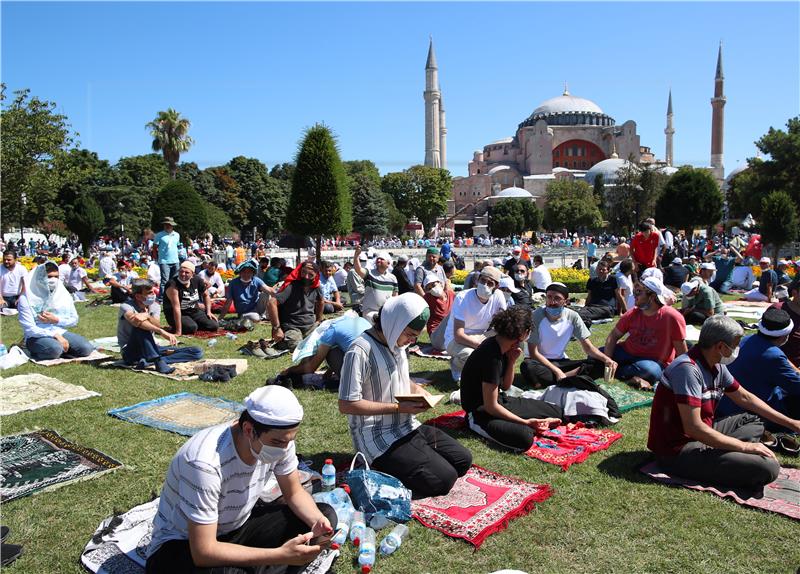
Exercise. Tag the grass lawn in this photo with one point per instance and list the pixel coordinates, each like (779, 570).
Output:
(604, 516)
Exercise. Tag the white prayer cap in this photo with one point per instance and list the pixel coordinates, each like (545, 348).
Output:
(384, 255)
(431, 278)
(275, 406)
(689, 286)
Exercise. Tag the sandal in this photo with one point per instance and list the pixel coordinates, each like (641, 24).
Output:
(788, 444)
(769, 440)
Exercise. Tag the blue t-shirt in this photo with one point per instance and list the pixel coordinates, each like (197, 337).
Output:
(167, 244)
(768, 277)
(328, 286)
(343, 332)
(591, 249)
(446, 251)
(245, 295)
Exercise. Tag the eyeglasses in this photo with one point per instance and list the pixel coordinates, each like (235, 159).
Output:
(556, 300)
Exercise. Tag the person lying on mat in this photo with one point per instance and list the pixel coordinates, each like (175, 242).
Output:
(138, 321)
(656, 334)
(297, 307)
(46, 310)
(248, 293)
(488, 374)
(425, 459)
(552, 327)
(207, 515)
(187, 305)
(684, 434)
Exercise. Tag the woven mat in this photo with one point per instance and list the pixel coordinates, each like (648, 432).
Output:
(429, 352)
(34, 391)
(94, 356)
(781, 496)
(182, 413)
(42, 460)
(626, 397)
(183, 371)
(480, 503)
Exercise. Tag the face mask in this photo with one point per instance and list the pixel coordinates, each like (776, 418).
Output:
(123, 274)
(644, 306)
(484, 291)
(149, 300)
(553, 312)
(305, 282)
(269, 454)
(437, 291)
(519, 277)
(52, 283)
(732, 358)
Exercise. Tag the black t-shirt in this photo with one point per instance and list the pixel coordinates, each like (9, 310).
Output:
(486, 364)
(296, 307)
(190, 296)
(675, 275)
(603, 291)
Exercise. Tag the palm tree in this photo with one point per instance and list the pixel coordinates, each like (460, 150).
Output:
(170, 137)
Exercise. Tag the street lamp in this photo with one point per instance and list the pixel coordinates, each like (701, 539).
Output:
(121, 226)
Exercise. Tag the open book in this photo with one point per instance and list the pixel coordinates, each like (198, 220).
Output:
(430, 400)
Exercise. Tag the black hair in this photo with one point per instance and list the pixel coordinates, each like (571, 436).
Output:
(644, 226)
(538, 259)
(260, 428)
(10, 252)
(311, 264)
(49, 267)
(140, 286)
(448, 266)
(275, 262)
(512, 323)
(626, 266)
(602, 263)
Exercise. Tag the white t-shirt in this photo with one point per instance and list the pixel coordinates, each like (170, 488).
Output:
(208, 483)
(75, 278)
(742, 277)
(540, 277)
(11, 279)
(552, 337)
(63, 271)
(107, 266)
(475, 314)
(625, 282)
(154, 272)
(216, 286)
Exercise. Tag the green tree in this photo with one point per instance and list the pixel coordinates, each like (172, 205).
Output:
(571, 205)
(86, 220)
(124, 205)
(420, 191)
(319, 202)
(507, 218)
(170, 134)
(395, 220)
(283, 171)
(146, 171)
(599, 191)
(532, 214)
(200, 179)
(219, 224)
(370, 215)
(32, 135)
(180, 201)
(779, 221)
(265, 197)
(691, 199)
(228, 197)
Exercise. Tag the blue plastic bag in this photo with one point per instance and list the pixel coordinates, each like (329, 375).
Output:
(376, 493)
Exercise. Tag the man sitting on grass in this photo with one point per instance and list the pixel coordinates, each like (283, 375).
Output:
(138, 321)
(207, 516)
(685, 436)
(248, 293)
(767, 283)
(120, 282)
(601, 296)
(380, 284)
(212, 280)
(330, 292)
(700, 302)
(187, 305)
(297, 307)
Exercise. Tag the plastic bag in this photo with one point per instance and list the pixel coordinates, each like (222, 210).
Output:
(14, 358)
(374, 493)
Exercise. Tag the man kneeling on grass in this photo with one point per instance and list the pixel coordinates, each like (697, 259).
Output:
(209, 514)
(139, 320)
(684, 435)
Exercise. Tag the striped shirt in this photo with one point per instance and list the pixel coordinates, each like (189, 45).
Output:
(208, 483)
(377, 290)
(372, 372)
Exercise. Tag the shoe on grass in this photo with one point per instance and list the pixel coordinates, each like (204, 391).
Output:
(9, 553)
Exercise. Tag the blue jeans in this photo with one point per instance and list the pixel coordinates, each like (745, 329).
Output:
(631, 366)
(11, 301)
(142, 345)
(44, 348)
(168, 271)
(723, 287)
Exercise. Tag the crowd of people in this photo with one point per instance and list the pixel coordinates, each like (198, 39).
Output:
(712, 402)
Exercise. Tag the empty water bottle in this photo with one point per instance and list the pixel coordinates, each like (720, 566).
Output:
(3, 350)
(328, 475)
(231, 336)
(366, 551)
(394, 539)
(340, 537)
(357, 527)
(212, 341)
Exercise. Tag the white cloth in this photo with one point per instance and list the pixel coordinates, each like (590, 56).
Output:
(540, 277)
(11, 279)
(216, 287)
(755, 295)
(38, 299)
(154, 273)
(742, 277)
(274, 405)
(63, 271)
(625, 282)
(475, 314)
(107, 266)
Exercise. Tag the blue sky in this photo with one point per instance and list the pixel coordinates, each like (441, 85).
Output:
(251, 76)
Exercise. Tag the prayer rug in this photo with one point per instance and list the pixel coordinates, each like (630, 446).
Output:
(34, 391)
(456, 420)
(627, 398)
(570, 444)
(744, 310)
(182, 413)
(480, 503)
(94, 356)
(210, 334)
(43, 459)
(111, 345)
(429, 352)
(781, 496)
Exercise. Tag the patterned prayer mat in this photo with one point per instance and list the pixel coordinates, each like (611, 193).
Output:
(481, 503)
(429, 352)
(43, 459)
(94, 356)
(182, 413)
(781, 496)
(457, 420)
(627, 398)
(34, 391)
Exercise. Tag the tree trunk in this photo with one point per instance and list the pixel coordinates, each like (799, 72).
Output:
(775, 249)
(319, 249)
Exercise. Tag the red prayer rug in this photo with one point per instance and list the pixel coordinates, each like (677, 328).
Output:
(480, 503)
(781, 496)
(451, 421)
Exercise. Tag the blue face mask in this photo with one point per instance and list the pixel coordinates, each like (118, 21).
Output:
(553, 312)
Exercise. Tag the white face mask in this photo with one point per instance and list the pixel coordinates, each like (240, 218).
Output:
(484, 291)
(437, 291)
(732, 358)
(52, 283)
(520, 277)
(149, 300)
(269, 454)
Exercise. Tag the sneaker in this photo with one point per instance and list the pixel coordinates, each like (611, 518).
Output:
(141, 365)
(455, 397)
(3, 533)
(9, 553)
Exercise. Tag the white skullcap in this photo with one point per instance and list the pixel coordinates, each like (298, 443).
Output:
(384, 255)
(431, 278)
(275, 406)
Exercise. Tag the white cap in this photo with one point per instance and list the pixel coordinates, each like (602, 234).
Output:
(384, 255)
(766, 260)
(430, 278)
(692, 256)
(507, 282)
(677, 261)
(656, 286)
(274, 405)
(708, 265)
(362, 257)
(689, 286)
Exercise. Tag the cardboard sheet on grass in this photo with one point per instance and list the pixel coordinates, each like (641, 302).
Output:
(34, 391)
(781, 496)
(183, 371)
(111, 345)
(744, 310)
(182, 413)
(563, 446)
(94, 356)
(480, 503)
(40, 460)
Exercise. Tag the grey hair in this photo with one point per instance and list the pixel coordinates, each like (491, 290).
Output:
(140, 286)
(719, 328)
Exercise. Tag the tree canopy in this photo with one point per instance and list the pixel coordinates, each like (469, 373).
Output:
(779, 221)
(691, 199)
(86, 220)
(571, 205)
(170, 134)
(180, 201)
(420, 191)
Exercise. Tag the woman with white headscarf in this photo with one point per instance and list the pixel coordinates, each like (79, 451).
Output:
(425, 459)
(46, 310)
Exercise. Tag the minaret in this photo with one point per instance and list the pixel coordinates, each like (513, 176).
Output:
(442, 135)
(432, 111)
(669, 130)
(718, 121)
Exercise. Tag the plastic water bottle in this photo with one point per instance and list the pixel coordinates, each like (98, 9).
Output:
(366, 551)
(231, 336)
(3, 350)
(357, 527)
(340, 537)
(328, 475)
(394, 539)
(212, 341)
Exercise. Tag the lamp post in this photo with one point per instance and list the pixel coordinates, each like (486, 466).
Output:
(121, 227)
